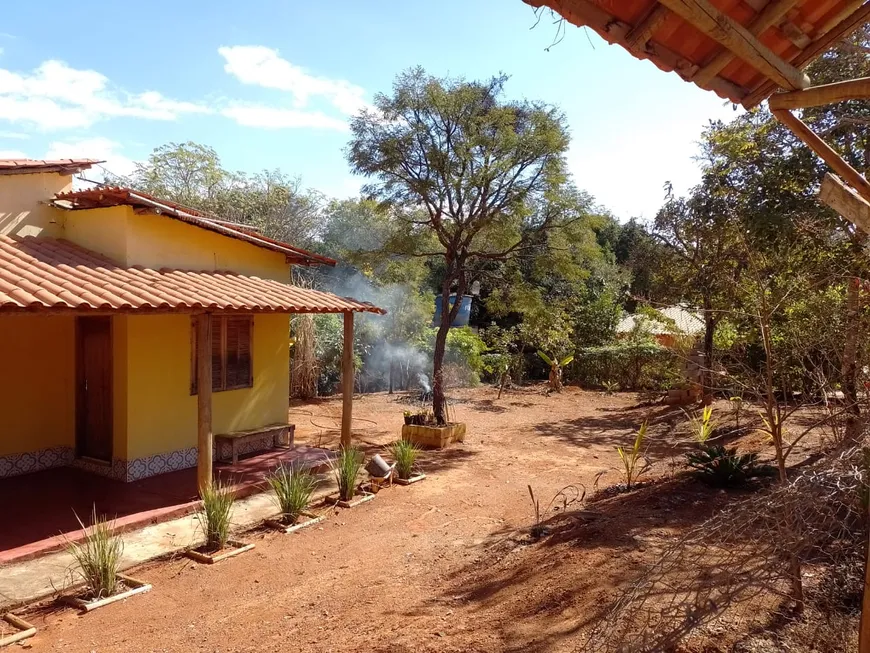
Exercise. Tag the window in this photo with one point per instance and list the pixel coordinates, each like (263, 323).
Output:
(231, 361)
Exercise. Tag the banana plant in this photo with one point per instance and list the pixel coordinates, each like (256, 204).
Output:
(556, 366)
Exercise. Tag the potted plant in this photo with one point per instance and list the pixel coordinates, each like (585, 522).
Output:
(346, 468)
(405, 454)
(293, 489)
(98, 563)
(215, 519)
(424, 431)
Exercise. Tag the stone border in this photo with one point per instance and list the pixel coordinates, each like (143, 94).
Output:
(136, 587)
(25, 629)
(238, 547)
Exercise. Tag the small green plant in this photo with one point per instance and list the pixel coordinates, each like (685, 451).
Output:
(703, 426)
(346, 469)
(634, 463)
(98, 557)
(737, 400)
(567, 496)
(719, 466)
(405, 454)
(556, 367)
(293, 489)
(215, 517)
(610, 387)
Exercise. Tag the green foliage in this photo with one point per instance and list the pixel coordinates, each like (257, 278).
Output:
(630, 365)
(703, 425)
(98, 556)
(465, 350)
(719, 466)
(346, 468)
(293, 489)
(634, 463)
(215, 517)
(405, 454)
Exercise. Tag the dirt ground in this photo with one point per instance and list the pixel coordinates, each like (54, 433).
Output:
(442, 565)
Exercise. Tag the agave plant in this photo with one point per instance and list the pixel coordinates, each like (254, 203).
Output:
(723, 467)
(98, 557)
(293, 489)
(405, 454)
(634, 463)
(215, 517)
(346, 469)
(556, 367)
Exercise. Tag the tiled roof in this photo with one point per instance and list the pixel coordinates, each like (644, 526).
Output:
(49, 274)
(684, 321)
(798, 32)
(63, 166)
(116, 196)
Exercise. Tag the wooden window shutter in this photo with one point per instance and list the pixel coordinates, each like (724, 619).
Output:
(217, 360)
(239, 368)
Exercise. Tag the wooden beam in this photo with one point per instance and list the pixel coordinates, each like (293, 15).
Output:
(768, 17)
(828, 155)
(347, 381)
(642, 32)
(719, 27)
(814, 96)
(204, 440)
(846, 202)
(848, 9)
(819, 46)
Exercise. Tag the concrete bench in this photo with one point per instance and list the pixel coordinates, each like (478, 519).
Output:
(281, 435)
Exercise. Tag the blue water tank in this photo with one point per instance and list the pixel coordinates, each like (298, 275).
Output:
(462, 316)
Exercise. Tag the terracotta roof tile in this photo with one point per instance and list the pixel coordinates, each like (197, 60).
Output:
(63, 166)
(45, 273)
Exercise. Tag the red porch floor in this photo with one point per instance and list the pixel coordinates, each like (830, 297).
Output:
(39, 510)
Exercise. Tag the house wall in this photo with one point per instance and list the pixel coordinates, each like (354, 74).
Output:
(37, 398)
(22, 211)
(100, 230)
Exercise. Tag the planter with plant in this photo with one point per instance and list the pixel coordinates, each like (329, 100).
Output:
(14, 629)
(98, 564)
(346, 468)
(215, 519)
(293, 489)
(423, 429)
(405, 454)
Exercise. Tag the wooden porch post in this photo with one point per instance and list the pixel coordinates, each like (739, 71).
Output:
(347, 380)
(203, 401)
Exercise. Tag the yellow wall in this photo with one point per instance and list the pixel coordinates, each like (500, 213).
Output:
(100, 230)
(37, 390)
(20, 210)
(161, 413)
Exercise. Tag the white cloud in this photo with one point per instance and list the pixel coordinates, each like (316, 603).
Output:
(262, 66)
(56, 96)
(258, 115)
(100, 148)
(12, 154)
(15, 135)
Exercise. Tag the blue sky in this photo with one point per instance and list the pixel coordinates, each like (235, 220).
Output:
(270, 84)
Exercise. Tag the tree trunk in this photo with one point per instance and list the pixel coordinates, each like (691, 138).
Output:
(854, 425)
(392, 367)
(448, 314)
(709, 332)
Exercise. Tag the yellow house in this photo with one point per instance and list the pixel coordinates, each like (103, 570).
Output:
(104, 296)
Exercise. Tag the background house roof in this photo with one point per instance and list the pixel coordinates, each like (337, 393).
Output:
(796, 31)
(62, 166)
(102, 197)
(684, 322)
(48, 274)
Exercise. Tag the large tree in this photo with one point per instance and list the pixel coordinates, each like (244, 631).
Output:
(480, 171)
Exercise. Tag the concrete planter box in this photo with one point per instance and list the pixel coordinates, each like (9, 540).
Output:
(24, 629)
(233, 548)
(356, 500)
(415, 478)
(436, 437)
(309, 519)
(134, 587)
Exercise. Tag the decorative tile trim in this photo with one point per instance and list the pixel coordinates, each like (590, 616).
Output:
(35, 461)
(139, 468)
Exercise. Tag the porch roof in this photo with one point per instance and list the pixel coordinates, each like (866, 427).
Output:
(47, 274)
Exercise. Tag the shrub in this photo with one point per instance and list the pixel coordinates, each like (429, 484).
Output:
(631, 365)
(215, 517)
(465, 350)
(293, 489)
(405, 454)
(634, 463)
(346, 470)
(719, 466)
(98, 557)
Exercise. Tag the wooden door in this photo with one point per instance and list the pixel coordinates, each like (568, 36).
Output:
(94, 387)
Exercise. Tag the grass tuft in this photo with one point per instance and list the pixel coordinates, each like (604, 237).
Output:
(405, 454)
(293, 489)
(215, 517)
(346, 469)
(98, 557)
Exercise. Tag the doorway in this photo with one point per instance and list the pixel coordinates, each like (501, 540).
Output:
(94, 388)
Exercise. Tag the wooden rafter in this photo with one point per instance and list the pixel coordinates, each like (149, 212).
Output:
(846, 202)
(637, 38)
(853, 89)
(769, 16)
(710, 21)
